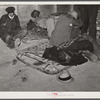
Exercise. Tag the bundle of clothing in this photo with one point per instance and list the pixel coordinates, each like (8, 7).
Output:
(70, 53)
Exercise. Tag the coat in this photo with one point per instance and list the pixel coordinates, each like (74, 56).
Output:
(63, 29)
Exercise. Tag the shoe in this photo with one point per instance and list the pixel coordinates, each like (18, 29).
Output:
(14, 61)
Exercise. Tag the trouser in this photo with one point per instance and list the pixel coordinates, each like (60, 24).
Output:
(50, 26)
(8, 37)
(82, 45)
(3, 34)
(88, 14)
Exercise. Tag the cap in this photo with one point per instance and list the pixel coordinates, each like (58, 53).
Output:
(10, 9)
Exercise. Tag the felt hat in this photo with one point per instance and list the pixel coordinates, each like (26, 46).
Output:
(10, 9)
(74, 14)
(35, 13)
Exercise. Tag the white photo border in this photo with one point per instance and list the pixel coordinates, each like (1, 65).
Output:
(52, 94)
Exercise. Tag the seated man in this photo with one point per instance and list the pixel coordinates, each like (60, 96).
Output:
(9, 26)
(43, 22)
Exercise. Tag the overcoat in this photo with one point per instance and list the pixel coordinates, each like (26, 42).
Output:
(66, 28)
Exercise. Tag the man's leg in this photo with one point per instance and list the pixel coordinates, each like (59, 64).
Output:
(88, 50)
(92, 11)
(3, 34)
(50, 26)
(84, 18)
(85, 45)
(81, 45)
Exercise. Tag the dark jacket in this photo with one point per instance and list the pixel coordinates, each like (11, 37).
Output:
(8, 26)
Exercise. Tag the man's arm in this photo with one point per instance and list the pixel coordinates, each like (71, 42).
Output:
(3, 21)
(77, 23)
(17, 23)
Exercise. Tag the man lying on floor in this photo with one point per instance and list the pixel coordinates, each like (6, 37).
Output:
(68, 46)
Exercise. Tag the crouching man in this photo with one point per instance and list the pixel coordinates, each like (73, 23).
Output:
(9, 26)
(45, 25)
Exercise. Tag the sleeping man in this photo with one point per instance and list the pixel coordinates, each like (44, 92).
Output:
(68, 45)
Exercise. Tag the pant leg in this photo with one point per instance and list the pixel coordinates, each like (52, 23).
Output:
(81, 45)
(50, 26)
(85, 45)
(3, 34)
(92, 12)
(84, 17)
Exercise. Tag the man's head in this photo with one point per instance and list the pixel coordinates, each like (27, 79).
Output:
(63, 56)
(35, 14)
(10, 11)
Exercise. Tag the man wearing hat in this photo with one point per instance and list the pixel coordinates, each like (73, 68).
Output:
(9, 26)
(47, 23)
(40, 21)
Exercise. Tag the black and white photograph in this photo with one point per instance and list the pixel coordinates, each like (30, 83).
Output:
(49, 47)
